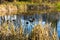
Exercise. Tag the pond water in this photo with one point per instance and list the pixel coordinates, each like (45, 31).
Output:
(58, 28)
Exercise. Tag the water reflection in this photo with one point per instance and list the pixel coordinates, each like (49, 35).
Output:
(27, 22)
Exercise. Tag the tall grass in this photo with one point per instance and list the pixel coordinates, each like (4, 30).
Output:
(38, 33)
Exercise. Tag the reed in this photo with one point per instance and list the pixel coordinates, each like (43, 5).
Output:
(37, 33)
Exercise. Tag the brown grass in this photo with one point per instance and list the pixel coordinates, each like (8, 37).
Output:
(38, 33)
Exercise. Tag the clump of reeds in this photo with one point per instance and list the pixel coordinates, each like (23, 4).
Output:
(38, 33)
(43, 33)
